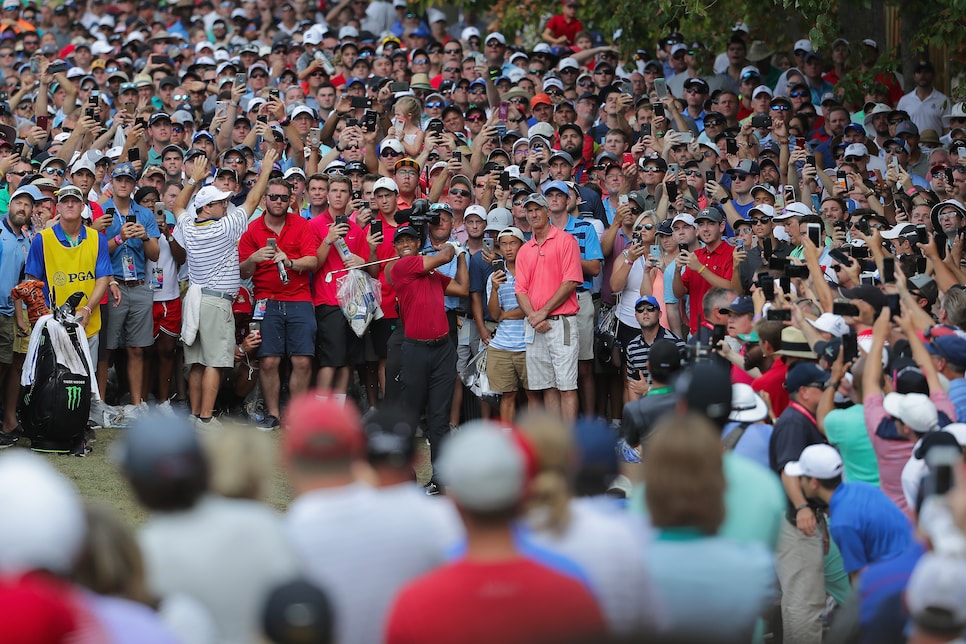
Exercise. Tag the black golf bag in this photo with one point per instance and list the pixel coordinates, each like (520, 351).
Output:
(55, 408)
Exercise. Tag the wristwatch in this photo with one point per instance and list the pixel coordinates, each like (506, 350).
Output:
(290, 263)
(192, 182)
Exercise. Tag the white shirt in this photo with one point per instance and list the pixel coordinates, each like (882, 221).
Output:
(169, 273)
(212, 248)
(603, 541)
(227, 554)
(927, 113)
(362, 545)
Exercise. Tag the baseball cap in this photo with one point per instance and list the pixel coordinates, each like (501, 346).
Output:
(556, 185)
(867, 293)
(484, 467)
(711, 213)
(898, 231)
(209, 195)
(936, 592)
(540, 99)
(321, 428)
(70, 191)
(803, 373)
(745, 166)
(498, 219)
(512, 231)
(803, 45)
(31, 191)
(298, 611)
(647, 299)
(538, 199)
(385, 183)
(560, 154)
(405, 231)
(685, 217)
(125, 170)
(907, 127)
(818, 461)
(915, 410)
(830, 323)
(952, 347)
(856, 150)
(763, 187)
(664, 354)
(739, 306)
(707, 391)
(158, 117)
(477, 210)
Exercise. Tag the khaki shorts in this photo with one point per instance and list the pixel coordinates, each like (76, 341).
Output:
(22, 342)
(214, 346)
(8, 338)
(552, 356)
(506, 370)
(585, 323)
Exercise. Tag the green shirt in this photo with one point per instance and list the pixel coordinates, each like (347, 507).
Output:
(845, 429)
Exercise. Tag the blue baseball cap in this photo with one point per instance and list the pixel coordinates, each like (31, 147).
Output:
(125, 170)
(805, 373)
(647, 299)
(557, 185)
(952, 347)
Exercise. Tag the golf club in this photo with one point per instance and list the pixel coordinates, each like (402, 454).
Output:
(328, 276)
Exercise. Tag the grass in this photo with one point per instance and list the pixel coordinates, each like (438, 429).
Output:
(98, 478)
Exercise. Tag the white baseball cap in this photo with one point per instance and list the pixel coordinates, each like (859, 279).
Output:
(209, 195)
(804, 44)
(856, 150)
(385, 183)
(686, 218)
(475, 209)
(830, 323)
(483, 468)
(819, 461)
(915, 410)
(936, 592)
(763, 209)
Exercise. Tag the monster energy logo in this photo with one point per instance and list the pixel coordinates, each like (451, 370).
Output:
(73, 397)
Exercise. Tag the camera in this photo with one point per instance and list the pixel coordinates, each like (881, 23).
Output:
(421, 214)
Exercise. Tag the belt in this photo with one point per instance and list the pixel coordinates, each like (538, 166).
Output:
(560, 317)
(130, 282)
(214, 293)
(429, 343)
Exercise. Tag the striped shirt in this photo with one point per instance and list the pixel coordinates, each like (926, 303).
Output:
(637, 352)
(509, 334)
(212, 248)
(589, 243)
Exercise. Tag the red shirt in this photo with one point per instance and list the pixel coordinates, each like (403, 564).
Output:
(512, 602)
(296, 240)
(720, 262)
(386, 250)
(420, 296)
(559, 26)
(325, 292)
(773, 381)
(542, 268)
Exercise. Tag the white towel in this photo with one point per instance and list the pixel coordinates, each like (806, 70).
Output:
(64, 352)
(190, 314)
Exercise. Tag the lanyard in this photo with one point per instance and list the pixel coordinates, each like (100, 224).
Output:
(804, 412)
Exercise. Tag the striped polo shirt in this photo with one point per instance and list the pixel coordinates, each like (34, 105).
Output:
(510, 334)
(212, 248)
(637, 352)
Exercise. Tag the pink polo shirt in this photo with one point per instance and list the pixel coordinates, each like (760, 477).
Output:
(542, 268)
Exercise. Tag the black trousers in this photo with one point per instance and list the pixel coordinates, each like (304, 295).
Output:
(428, 375)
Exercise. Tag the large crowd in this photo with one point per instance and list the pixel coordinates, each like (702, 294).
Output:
(676, 343)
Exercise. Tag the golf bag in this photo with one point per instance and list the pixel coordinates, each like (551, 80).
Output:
(57, 397)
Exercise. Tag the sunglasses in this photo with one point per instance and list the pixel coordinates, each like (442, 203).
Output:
(780, 108)
(646, 308)
(553, 91)
(452, 51)
(420, 61)
(896, 121)
(452, 70)
(603, 72)
(181, 97)
(277, 197)
(895, 150)
(692, 173)
(585, 84)
(651, 168)
(460, 193)
(695, 90)
(55, 171)
(435, 104)
(760, 220)
(799, 94)
(389, 153)
(474, 118)
(177, 128)
(478, 90)
(259, 76)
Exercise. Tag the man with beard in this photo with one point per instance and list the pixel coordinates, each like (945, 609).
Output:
(13, 252)
(647, 310)
(562, 169)
(572, 141)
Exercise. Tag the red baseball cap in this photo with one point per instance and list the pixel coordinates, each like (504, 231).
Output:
(540, 99)
(318, 426)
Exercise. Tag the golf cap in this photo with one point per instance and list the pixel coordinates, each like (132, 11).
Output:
(209, 195)
(322, 428)
(818, 461)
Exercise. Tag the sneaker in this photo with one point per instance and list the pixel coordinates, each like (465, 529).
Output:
(269, 423)
(211, 425)
(432, 489)
(89, 433)
(11, 438)
(82, 449)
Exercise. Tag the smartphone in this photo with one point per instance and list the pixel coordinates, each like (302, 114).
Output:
(488, 244)
(840, 256)
(867, 278)
(861, 252)
(739, 243)
(800, 142)
(369, 120)
(352, 122)
(761, 121)
(254, 326)
(93, 99)
(272, 243)
(789, 192)
(888, 270)
(161, 60)
(656, 251)
(57, 68)
(660, 86)
(815, 234)
(240, 79)
(499, 264)
(731, 146)
(494, 73)
(504, 180)
(273, 94)
(810, 160)
(89, 112)
(941, 460)
(850, 347)
(718, 334)
(892, 301)
(435, 125)
(845, 309)
(342, 220)
(220, 107)
(134, 154)
(130, 219)
(658, 109)
(457, 156)
(367, 205)
(842, 179)
(685, 137)
(110, 212)
(623, 200)
(22, 150)
(158, 209)
(672, 191)
(922, 235)
(503, 112)
(779, 315)
(34, 65)
(786, 283)
(949, 176)
(766, 283)
(500, 130)
(766, 249)
(920, 265)
(796, 271)
(673, 168)
(360, 101)
(43, 122)
(315, 136)
(375, 227)
(708, 176)
(356, 195)
(645, 129)
(683, 248)
(398, 86)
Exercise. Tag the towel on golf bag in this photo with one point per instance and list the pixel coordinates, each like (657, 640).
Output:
(76, 359)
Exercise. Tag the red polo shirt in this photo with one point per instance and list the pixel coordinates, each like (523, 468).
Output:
(296, 240)
(542, 268)
(420, 298)
(325, 292)
(719, 261)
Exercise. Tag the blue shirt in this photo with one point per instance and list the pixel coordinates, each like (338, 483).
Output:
(866, 525)
(957, 394)
(753, 444)
(479, 272)
(132, 247)
(35, 256)
(452, 302)
(589, 243)
(13, 254)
